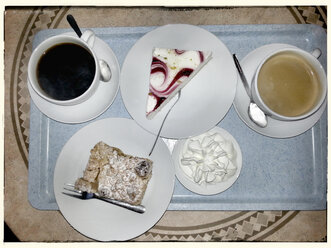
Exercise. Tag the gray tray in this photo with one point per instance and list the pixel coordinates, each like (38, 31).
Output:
(277, 174)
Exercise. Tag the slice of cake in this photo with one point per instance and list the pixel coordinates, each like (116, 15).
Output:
(115, 175)
(171, 70)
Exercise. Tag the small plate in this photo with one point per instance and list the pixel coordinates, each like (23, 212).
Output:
(204, 101)
(100, 220)
(93, 107)
(275, 128)
(207, 189)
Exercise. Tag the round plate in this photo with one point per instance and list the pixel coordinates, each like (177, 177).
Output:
(204, 101)
(207, 189)
(93, 107)
(100, 220)
(275, 128)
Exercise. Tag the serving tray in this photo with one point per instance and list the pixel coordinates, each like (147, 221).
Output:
(277, 174)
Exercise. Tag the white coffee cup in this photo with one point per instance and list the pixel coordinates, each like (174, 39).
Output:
(311, 59)
(86, 41)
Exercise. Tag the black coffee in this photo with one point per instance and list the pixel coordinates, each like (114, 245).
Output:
(66, 71)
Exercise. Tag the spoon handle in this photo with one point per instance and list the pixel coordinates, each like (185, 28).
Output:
(242, 76)
(71, 20)
(158, 134)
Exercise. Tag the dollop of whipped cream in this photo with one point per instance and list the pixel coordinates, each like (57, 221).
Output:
(208, 158)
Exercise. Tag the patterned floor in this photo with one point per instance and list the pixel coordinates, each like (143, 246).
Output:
(230, 226)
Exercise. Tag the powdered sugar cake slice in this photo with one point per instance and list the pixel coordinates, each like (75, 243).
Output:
(115, 175)
(171, 70)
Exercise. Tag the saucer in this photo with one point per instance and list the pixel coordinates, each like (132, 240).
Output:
(96, 104)
(275, 128)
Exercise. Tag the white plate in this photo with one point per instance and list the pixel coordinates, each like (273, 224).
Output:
(275, 128)
(100, 220)
(204, 101)
(207, 189)
(93, 107)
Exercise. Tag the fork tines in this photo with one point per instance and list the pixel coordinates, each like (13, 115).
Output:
(85, 195)
(72, 188)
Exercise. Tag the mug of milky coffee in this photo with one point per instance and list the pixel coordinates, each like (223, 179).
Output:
(65, 70)
(290, 84)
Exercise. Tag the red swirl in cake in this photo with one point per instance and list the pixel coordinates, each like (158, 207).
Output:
(171, 70)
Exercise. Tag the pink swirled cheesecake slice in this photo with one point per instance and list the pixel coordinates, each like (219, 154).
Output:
(171, 70)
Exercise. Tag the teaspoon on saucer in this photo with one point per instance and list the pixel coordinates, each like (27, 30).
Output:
(254, 112)
(104, 67)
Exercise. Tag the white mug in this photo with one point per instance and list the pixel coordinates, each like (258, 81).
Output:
(311, 58)
(86, 41)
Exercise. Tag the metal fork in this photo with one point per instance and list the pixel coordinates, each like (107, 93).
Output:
(86, 196)
(158, 134)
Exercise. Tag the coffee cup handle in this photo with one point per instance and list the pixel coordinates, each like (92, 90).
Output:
(89, 37)
(316, 53)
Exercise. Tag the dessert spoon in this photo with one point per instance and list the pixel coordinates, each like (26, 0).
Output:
(105, 71)
(158, 134)
(254, 112)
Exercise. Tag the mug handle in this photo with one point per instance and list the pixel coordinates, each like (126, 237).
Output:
(316, 53)
(89, 37)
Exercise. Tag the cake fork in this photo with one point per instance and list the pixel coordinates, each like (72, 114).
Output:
(158, 134)
(86, 196)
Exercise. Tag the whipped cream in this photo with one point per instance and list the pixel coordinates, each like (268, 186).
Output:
(208, 159)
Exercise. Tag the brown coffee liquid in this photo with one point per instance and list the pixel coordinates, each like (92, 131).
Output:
(288, 84)
(66, 71)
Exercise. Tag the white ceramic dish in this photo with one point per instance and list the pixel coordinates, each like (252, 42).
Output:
(210, 189)
(100, 220)
(205, 100)
(94, 106)
(275, 128)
